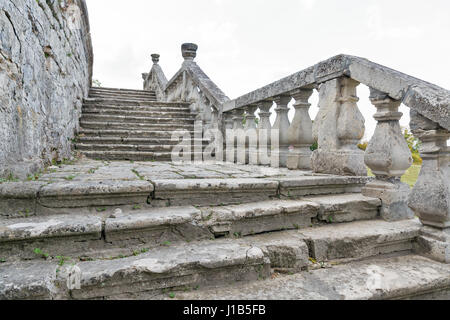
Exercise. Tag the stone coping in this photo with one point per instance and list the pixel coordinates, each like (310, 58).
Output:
(429, 100)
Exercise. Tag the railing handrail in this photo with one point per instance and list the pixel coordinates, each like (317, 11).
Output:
(431, 101)
(205, 84)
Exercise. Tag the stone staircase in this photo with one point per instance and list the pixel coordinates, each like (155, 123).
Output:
(123, 124)
(155, 230)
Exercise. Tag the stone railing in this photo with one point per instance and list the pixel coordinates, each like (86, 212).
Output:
(339, 126)
(155, 80)
(190, 84)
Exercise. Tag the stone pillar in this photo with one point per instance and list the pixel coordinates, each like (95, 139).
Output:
(264, 129)
(251, 135)
(430, 197)
(300, 132)
(338, 128)
(388, 156)
(282, 125)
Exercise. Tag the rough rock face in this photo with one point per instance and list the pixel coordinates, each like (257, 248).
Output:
(45, 72)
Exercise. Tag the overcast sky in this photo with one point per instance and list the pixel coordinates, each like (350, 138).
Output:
(246, 44)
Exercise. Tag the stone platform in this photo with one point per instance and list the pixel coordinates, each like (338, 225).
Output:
(145, 229)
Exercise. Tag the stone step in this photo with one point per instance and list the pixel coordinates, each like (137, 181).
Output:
(23, 199)
(72, 189)
(139, 126)
(267, 216)
(154, 134)
(125, 147)
(133, 119)
(118, 90)
(190, 265)
(394, 278)
(123, 96)
(134, 106)
(119, 102)
(131, 228)
(206, 192)
(99, 140)
(128, 155)
(122, 93)
(136, 113)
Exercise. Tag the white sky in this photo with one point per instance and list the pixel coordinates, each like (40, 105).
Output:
(246, 44)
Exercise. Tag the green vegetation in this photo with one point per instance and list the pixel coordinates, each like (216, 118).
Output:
(10, 178)
(137, 174)
(410, 177)
(96, 83)
(39, 252)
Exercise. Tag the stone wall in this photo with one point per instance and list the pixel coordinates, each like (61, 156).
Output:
(45, 72)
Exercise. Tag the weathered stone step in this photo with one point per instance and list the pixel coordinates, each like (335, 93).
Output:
(389, 278)
(136, 113)
(119, 102)
(129, 155)
(205, 263)
(22, 199)
(268, 216)
(134, 119)
(124, 147)
(95, 234)
(206, 192)
(123, 97)
(118, 90)
(129, 126)
(152, 106)
(99, 140)
(156, 134)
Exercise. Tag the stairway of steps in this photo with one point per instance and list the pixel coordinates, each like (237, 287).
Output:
(146, 234)
(123, 124)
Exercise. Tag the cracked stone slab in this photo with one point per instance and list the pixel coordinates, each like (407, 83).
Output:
(320, 184)
(259, 217)
(361, 239)
(286, 250)
(56, 235)
(213, 191)
(346, 207)
(189, 265)
(156, 226)
(18, 199)
(28, 281)
(76, 194)
(405, 277)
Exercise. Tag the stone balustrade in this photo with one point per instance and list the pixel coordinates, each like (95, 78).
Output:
(190, 84)
(337, 129)
(339, 126)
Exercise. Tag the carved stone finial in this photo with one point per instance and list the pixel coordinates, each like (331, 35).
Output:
(155, 58)
(189, 51)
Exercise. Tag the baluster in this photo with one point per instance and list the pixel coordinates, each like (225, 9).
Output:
(430, 197)
(300, 132)
(388, 156)
(282, 125)
(214, 118)
(338, 127)
(264, 130)
(251, 136)
(239, 143)
(207, 113)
